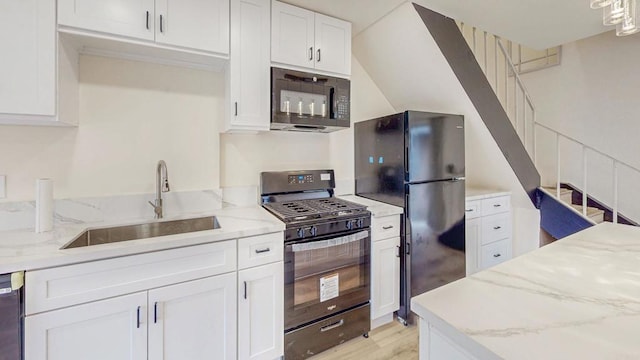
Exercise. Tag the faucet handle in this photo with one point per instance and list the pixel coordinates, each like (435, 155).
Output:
(152, 204)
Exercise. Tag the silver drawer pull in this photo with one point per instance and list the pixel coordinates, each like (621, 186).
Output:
(387, 227)
(468, 210)
(496, 255)
(497, 227)
(496, 205)
(260, 251)
(332, 326)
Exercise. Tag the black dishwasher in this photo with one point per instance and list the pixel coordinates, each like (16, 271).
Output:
(11, 319)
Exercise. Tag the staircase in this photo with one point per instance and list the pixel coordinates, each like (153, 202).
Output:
(503, 74)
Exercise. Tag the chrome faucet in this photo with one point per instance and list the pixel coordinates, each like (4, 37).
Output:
(162, 185)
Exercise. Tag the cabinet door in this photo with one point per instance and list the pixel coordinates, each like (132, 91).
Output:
(249, 65)
(472, 244)
(194, 320)
(385, 279)
(196, 24)
(102, 330)
(333, 44)
(28, 60)
(261, 312)
(131, 18)
(292, 35)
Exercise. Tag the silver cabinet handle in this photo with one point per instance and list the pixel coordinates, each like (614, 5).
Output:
(387, 227)
(496, 255)
(138, 318)
(245, 289)
(318, 57)
(260, 251)
(161, 23)
(497, 227)
(468, 210)
(236, 106)
(398, 252)
(332, 326)
(147, 20)
(496, 205)
(155, 312)
(311, 53)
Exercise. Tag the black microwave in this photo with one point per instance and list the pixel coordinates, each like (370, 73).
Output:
(302, 101)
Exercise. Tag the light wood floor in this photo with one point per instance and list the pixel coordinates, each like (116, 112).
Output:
(390, 341)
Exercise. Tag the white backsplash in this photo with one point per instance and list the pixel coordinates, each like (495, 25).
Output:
(21, 215)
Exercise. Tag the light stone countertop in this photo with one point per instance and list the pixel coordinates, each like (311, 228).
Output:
(577, 298)
(377, 209)
(472, 194)
(27, 250)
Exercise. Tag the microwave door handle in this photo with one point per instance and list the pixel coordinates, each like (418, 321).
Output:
(332, 103)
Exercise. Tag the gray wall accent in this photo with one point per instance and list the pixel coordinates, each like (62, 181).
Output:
(455, 49)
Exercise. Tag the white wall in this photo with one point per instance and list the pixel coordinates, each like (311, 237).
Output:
(592, 97)
(367, 102)
(132, 114)
(409, 69)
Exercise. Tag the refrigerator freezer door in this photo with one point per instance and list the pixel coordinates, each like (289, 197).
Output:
(436, 218)
(435, 146)
(379, 159)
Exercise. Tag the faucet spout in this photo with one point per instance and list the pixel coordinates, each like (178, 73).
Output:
(162, 185)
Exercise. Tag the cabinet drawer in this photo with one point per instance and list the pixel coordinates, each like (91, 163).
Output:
(260, 250)
(496, 227)
(495, 205)
(385, 227)
(495, 253)
(472, 209)
(74, 284)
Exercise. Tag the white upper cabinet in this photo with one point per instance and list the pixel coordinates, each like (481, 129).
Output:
(28, 60)
(302, 38)
(249, 76)
(292, 35)
(196, 24)
(132, 18)
(333, 44)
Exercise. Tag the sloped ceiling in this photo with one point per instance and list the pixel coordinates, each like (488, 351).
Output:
(537, 24)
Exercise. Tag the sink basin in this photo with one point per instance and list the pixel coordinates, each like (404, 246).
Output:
(114, 234)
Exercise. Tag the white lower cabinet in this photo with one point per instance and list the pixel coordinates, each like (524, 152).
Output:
(175, 304)
(385, 269)
(385, 289)
(193, 320)
(101, 330)
(487, 231)
(261, 312)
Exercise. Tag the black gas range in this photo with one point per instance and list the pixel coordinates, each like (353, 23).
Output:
(326, 260)
(304, 201)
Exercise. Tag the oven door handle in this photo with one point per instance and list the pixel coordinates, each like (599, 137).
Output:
(333, 242)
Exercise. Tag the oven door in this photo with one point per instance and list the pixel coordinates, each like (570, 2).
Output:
(325, 275)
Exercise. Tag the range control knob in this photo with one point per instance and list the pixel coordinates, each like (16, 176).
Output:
(349, 224)
(359, 223)
(301, 233)
(313, 230)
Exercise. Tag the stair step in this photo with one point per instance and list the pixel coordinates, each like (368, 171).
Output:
(594, 214)
(565, 194)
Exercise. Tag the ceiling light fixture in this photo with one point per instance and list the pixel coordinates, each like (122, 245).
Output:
(621, 13)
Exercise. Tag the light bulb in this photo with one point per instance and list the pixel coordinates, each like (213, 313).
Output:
(597, 4)
(614, 13)
(628, 25)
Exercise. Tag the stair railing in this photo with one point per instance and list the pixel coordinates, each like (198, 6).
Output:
(509, 88)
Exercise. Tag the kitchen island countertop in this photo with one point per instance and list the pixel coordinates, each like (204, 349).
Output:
(577, 298)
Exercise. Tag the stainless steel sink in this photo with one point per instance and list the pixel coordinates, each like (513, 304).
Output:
(114, 234)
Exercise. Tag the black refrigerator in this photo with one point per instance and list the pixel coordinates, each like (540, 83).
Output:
(415, 160)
